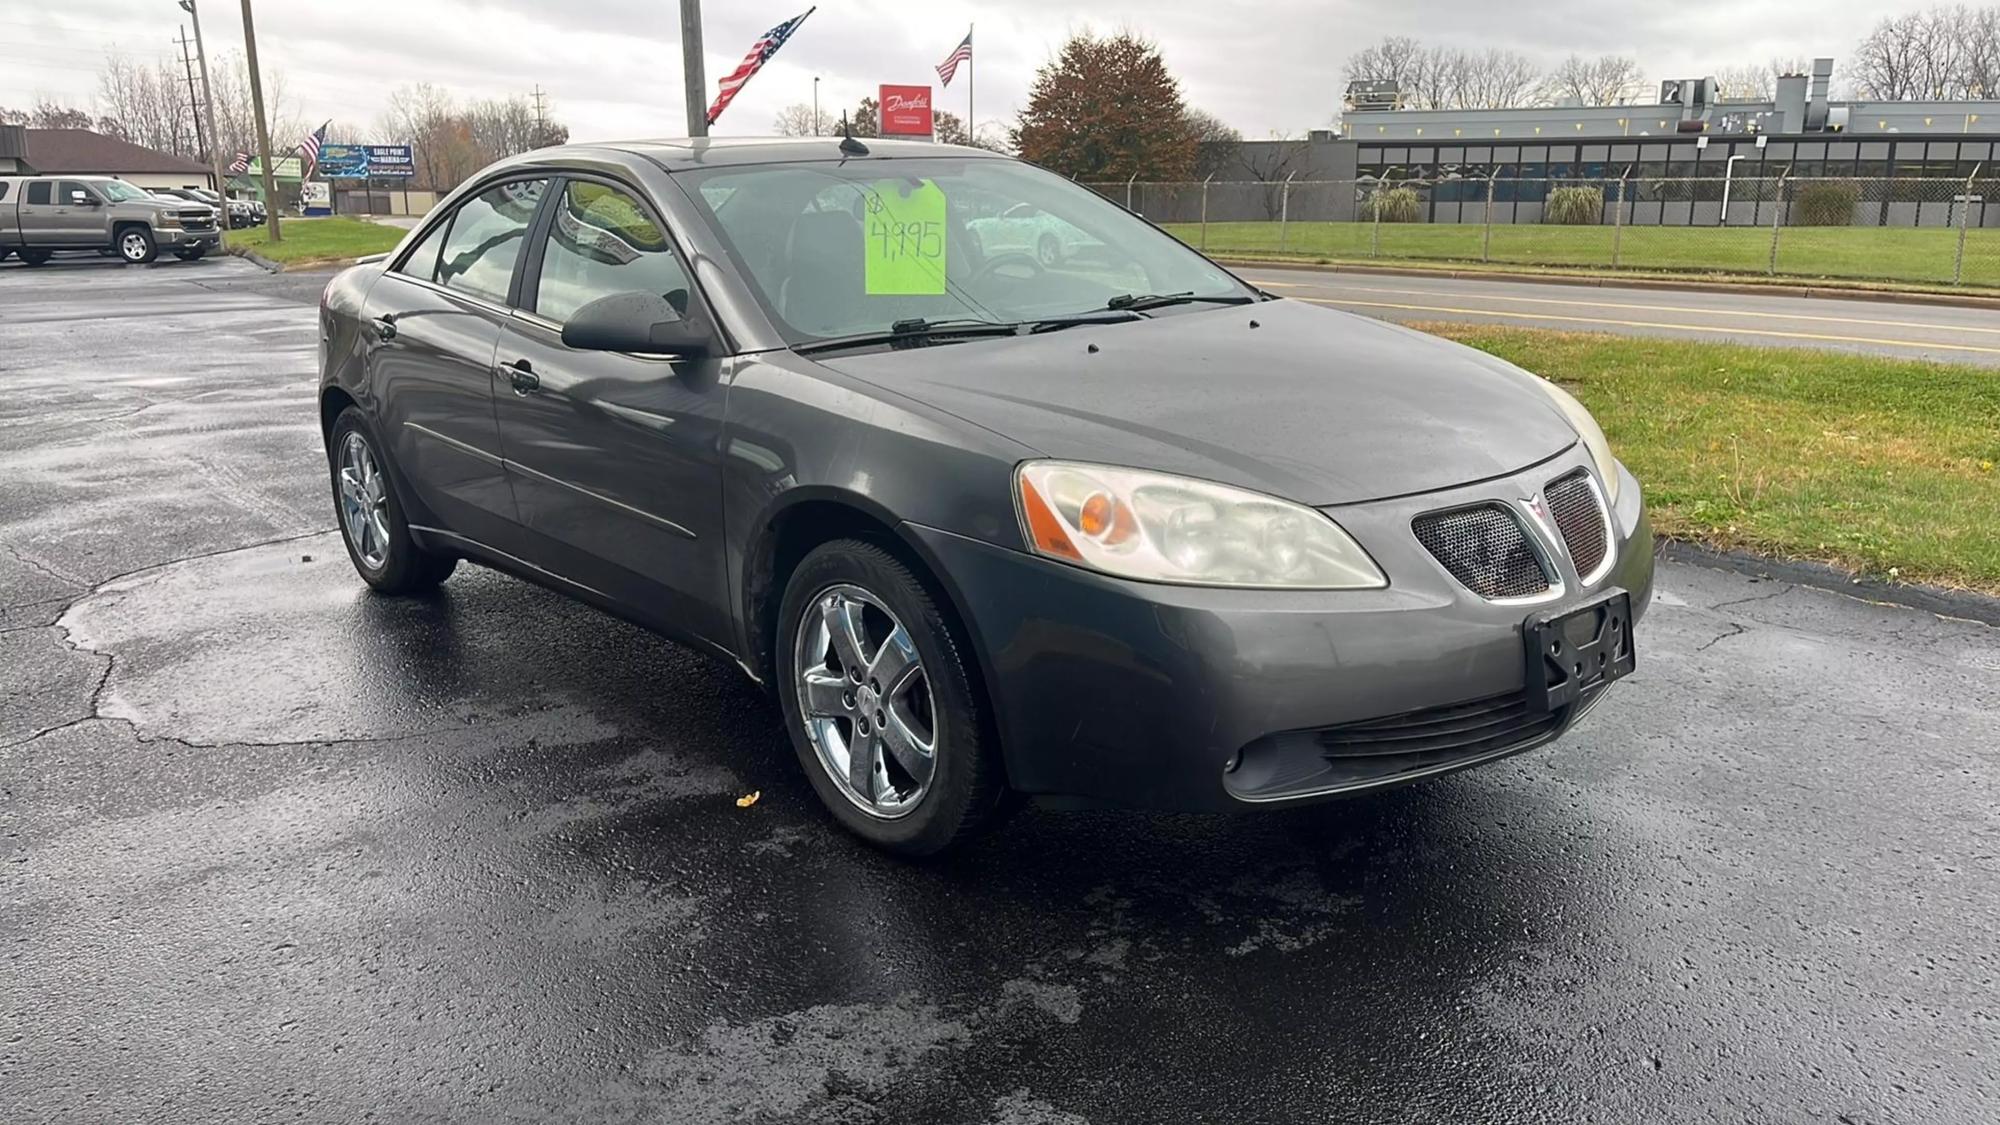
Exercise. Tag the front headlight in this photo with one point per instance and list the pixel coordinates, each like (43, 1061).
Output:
(1160, 528)
(1592, 434)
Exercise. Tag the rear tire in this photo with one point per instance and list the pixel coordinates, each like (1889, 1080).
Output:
(136, 246)
(371, 517)
(965, 785)
(1048, 251)
(33, 257)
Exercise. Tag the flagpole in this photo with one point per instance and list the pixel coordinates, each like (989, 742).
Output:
(971, 122)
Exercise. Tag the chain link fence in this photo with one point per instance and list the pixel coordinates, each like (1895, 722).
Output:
(1926, 231)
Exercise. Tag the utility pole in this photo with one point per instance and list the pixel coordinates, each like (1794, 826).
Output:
(263, 128)
(691, 68)
(208, 112)
(541, 117)
(194, 104)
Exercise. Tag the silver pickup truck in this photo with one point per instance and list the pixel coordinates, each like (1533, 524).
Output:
(40, 215)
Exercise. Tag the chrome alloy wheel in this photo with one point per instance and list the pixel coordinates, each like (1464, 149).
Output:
(364, 500)
(866, 701)
(133, 246)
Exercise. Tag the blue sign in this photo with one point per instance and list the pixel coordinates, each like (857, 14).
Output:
(343, 162)
(360, 162)
(391, 160)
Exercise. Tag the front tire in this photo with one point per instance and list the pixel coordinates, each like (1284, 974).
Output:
(1048, 251)
(371, 519)
(136, 246)
(880, 703)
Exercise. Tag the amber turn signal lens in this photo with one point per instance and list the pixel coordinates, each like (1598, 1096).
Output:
(1043, 527)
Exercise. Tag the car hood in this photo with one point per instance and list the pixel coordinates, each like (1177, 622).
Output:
(1310, 404)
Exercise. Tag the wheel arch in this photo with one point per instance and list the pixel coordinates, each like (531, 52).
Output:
(806, 517)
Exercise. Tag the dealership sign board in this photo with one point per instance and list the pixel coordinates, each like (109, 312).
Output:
(906, 111)
(360, 162)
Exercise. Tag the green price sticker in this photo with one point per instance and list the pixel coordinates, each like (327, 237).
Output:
(904, 239)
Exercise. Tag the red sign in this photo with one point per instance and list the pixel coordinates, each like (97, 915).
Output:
(906, 111)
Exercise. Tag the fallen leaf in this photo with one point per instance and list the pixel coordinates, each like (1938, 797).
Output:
(748, 799)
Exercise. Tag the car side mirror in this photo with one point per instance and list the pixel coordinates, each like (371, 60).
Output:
(639, 323)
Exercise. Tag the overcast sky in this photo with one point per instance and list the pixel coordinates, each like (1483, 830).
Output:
(612, 67)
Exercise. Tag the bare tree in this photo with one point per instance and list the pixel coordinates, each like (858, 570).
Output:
(1217, 142)
(1440, 77)
(1942, 53)
(1604, 80)
(799, 120)
(50, 114)
(151, 103)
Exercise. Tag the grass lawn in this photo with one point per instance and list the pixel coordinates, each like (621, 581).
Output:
(1920, 254)
(1882, 466)
(319, 240)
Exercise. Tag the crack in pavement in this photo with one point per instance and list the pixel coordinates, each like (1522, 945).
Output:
(1785, 589)
(42, 569)
(1736, 629)
(91, 711)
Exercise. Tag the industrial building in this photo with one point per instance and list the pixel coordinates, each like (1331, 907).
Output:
(1688, 134)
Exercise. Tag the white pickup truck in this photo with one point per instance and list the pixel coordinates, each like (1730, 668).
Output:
(40, 215)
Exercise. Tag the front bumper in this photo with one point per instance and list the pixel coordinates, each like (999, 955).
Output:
(1140, 694)
(179, 238)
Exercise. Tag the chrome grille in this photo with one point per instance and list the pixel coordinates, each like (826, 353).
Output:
(197, 220)
(1578, 515)
(1485, 549)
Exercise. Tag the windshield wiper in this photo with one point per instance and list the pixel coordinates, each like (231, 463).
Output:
(914, 330)
(1074, 320)
(1140, 302)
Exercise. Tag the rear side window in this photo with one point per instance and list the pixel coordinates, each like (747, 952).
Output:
(602, 243)
(4, 185)
(485, 239)
(38, 192)
(423, 261)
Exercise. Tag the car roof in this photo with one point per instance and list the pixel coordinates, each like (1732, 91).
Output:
(680, 154)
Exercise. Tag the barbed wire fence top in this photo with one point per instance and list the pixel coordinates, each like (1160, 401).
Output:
(1929, 230)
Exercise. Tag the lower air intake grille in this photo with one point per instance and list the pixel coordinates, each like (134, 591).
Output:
(1434, 735)
(1485, 549)
(1573, 505)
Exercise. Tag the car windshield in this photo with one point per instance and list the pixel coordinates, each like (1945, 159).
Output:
(863, 246)
(117, 191)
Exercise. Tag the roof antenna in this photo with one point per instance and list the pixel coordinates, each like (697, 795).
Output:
(848, 144)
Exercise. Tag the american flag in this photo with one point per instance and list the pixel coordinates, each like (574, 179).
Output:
(241, 164)
(961, 54)
(760, 53)
(309, 150)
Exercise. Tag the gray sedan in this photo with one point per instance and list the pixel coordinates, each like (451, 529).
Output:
(1129, 532)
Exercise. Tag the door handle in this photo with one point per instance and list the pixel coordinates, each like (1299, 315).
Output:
(522, 375)
(385, 326)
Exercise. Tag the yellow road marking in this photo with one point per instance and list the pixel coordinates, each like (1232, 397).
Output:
(1646, 308)
(1503, 314)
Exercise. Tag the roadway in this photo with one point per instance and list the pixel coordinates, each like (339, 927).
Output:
(1859, 324)
(274, 848)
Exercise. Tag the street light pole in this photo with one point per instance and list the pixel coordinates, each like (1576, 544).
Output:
(815, 105)
(208, 112)
(691, 68)
(1728, 178)
(263, 128)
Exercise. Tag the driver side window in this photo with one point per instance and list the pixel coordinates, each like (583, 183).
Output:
(602, 242)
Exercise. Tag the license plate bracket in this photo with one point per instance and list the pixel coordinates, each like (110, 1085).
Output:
(1578, 649)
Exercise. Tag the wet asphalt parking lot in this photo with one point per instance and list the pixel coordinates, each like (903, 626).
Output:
(272, 848)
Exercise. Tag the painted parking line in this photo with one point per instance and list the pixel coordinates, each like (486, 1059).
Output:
(1694, 309)
(1508, 314)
